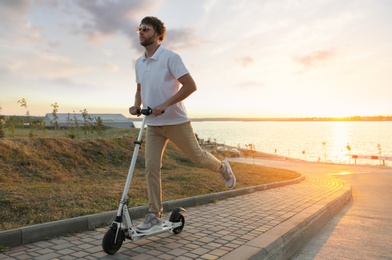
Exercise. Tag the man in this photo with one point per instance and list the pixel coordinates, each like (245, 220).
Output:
(163, 82)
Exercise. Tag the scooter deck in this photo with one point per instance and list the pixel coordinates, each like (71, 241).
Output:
(166, 226)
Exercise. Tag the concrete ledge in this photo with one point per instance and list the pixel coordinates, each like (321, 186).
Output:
(310, 223)
(34, 233)
(100, 219)
(51, 229)
(11, 237)
(286, 239)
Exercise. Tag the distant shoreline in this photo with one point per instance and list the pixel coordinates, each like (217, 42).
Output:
(327, 119)
(312, 119)
(260, 119)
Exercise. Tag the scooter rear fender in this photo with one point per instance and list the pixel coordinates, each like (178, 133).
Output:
(174, 215)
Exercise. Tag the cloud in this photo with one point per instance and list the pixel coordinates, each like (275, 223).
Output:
(245, 61)
(65, 84)
(15, 26)
(8, 68)
(12, 11)
(316, 58)
(246, 85)
(3, 71)
(44, 65)
(14, 65)
(105, 18)
(110, 66)
(183, 38)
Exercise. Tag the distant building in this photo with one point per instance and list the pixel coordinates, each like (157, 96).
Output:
(68, 120)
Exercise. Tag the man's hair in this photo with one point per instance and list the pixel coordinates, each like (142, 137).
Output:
(157, 24)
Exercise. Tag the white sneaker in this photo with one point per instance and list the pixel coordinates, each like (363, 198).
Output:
(228, 175)
(151, 223)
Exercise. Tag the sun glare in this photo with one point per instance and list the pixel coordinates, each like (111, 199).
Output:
(339, 142)
(342, 173)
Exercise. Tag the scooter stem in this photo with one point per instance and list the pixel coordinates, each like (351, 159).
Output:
(132, 167)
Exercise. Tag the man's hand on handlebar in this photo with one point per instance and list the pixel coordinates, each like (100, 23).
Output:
(134, 110)
(158, 110)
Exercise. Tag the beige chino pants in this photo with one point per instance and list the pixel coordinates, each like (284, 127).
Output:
(183, 137)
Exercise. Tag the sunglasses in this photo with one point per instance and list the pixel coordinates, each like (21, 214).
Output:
(143, 29)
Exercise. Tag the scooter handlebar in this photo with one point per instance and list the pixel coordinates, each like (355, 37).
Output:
(146, 111)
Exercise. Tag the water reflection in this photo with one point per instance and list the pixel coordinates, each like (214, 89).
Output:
(304, 140)
(338, 150)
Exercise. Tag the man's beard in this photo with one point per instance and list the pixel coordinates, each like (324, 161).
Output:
(148, 41)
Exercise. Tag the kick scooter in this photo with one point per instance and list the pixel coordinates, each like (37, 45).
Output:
(122, 227)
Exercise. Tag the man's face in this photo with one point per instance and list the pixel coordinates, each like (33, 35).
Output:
(147, 35)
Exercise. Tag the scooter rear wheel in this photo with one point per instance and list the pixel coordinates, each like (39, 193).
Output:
(179, 218)
(109, 245)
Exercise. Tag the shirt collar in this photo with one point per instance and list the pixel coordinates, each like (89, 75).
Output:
(156, 55)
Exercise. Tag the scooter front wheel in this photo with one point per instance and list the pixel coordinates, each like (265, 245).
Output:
(109, 243)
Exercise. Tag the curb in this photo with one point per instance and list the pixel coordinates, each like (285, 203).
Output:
(44, 231)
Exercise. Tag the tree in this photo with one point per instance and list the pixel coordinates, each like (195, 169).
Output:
(99, 125)
(23, 103)
(87, 121)
(71, 129)
(251, 151)
(2, 123)
(54, 113)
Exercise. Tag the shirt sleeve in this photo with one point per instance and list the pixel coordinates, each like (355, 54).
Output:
(176, 66)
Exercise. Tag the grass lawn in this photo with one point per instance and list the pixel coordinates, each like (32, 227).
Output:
(51, 177)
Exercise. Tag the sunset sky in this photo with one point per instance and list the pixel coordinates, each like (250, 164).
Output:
(268, 58)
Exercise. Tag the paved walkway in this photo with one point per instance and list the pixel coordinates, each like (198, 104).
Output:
(363, 228)
(267, 224)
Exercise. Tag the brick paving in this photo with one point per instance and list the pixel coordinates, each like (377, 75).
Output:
(212, 231)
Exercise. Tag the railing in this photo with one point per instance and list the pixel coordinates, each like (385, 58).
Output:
(372, 157)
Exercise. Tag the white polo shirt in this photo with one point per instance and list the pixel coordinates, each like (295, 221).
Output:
(158, 77)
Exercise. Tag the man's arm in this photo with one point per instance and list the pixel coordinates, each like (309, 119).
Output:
(188, 87)
(138, 102)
